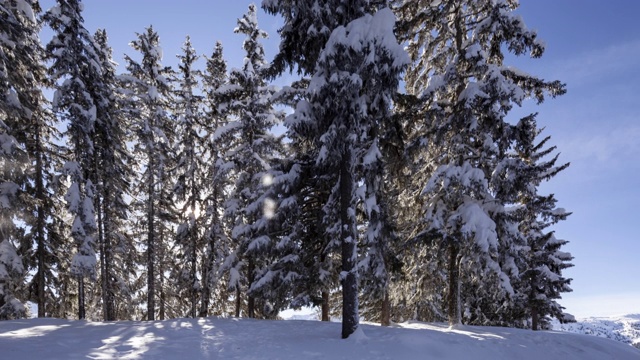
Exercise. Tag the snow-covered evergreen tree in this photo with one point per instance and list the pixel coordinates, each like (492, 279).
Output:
(190, 169)
(467, 90)
(75, 69)
(113, 177)
(543, 262)
(350, 96)
(18, 36)
(248, 99)
(149, 90)
(216, 182)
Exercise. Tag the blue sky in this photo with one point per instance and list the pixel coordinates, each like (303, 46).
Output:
(593, 46)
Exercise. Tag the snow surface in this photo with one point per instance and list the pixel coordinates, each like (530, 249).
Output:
(221, 338)
(625, 329)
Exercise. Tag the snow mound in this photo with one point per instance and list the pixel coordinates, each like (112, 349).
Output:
(214, 338)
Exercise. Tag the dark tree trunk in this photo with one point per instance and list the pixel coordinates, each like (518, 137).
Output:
(40, 232)
(532, 303)
(534, 318)
(194, 291)
(325, 306)
(238, 302)
(348, 239)
(81, 309)
(151, 301)
(251, 301)
(454, 288)
(104, 276)
(385, 312)
(109, 278)
(162, 312)
(206, 291)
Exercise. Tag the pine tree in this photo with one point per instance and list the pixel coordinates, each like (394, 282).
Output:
(248, 98)
(149, 89)
(76, 69)
(467, 90)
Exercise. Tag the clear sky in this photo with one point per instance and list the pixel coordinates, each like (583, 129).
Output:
(592, 45)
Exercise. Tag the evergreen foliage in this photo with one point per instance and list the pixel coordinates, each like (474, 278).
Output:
(466, 91)
(149, 91)
(249, 159)
(423, 205)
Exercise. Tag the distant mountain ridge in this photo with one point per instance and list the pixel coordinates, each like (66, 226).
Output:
(624, 328)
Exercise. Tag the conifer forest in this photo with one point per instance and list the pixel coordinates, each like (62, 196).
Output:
(387, 182)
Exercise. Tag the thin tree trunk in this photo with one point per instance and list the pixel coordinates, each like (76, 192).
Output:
(162, 312)
(454, 279)
(40, 225)
(151, 304)
(251, 301)
(194, 290)
(325, 306)
(103, 261)
(385, 312)
(81, 309)
(348, 239)
(206, 292)
(238, 301)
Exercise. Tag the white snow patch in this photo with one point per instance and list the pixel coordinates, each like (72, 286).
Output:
(220, 338)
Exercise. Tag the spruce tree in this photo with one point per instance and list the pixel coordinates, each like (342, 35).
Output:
(76, 70)
(248, 98)
(113, 173)
(149, 90)
(466, 92)
(350, 97)
(543, 261)
(190, 170)
(215, 182)
(18, 37)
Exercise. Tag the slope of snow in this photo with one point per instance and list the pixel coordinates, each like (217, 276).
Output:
(214, 338)
(625, 329)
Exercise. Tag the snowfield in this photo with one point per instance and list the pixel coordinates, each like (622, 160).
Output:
(217, 338)
(625, 328)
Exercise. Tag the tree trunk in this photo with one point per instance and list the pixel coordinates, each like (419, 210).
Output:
(194, 290)
(103, 260)
(238, 303)
(454, 287)
(206, 292)
(162, 313)
(151, 302)
(348, 239)
(109, 278)
(532, 303)
(325, 306)
(385, 313)
(81, 309)
(40, 226)
(251, 301)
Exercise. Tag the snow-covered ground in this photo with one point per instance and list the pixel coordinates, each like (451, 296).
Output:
(214, 338)
(625, 328)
